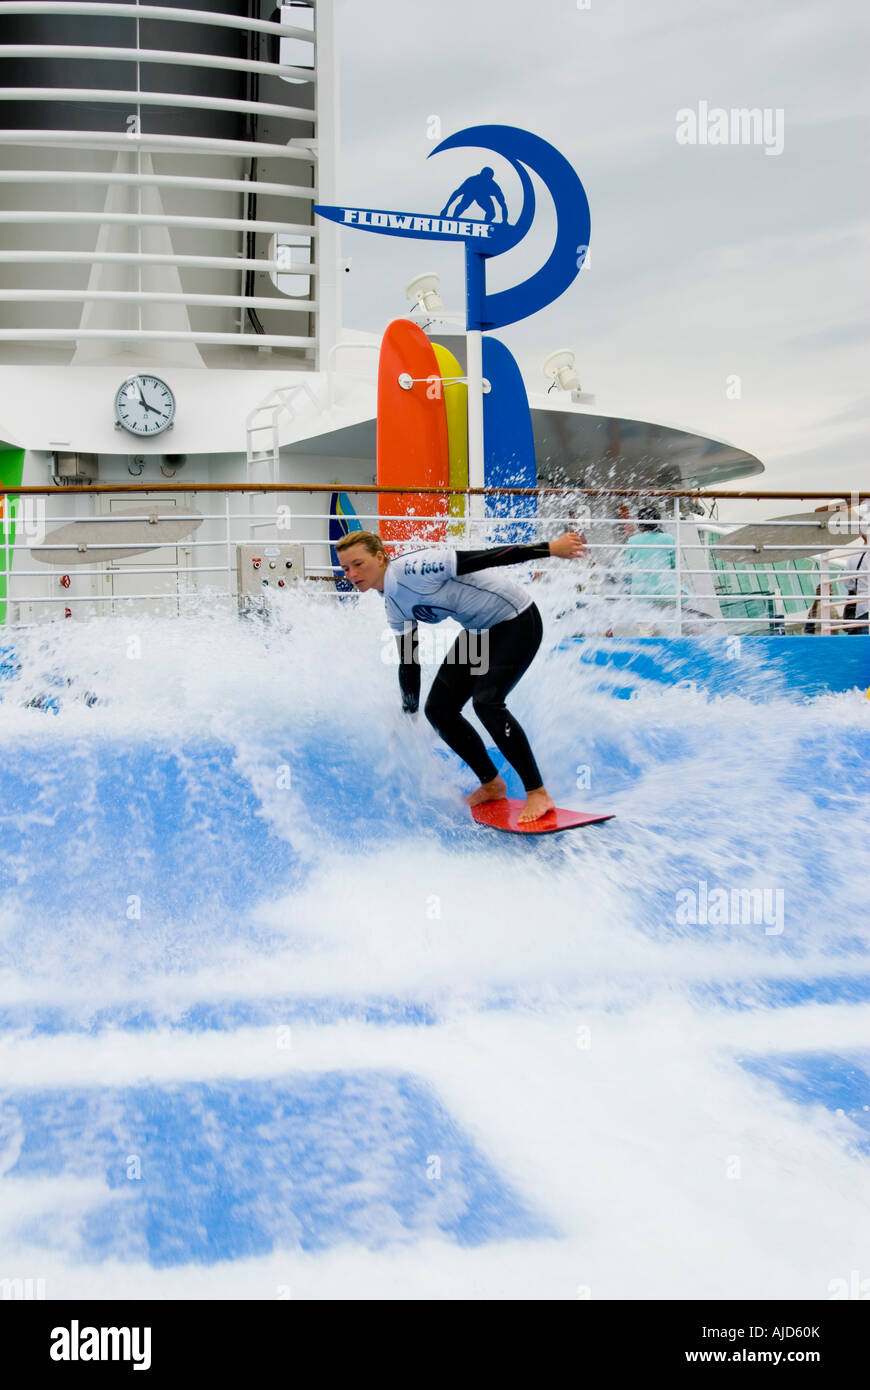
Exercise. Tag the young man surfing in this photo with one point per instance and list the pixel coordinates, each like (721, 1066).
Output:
(433, 584)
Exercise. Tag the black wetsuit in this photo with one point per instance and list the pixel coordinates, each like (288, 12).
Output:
(462, 676)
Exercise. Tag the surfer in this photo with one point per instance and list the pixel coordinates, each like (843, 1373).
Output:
(430, 585)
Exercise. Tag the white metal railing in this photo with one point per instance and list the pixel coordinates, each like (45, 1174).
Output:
(367, 373)
(162, 56)
(278, 402)
(136, 97)
(152, 335)
(607, 579)
(150, 219)
(213, 18)
(152, 258)
(66, 176)
(296, 150)
(150, 297)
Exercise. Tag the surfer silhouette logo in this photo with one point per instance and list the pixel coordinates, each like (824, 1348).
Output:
(481, 189)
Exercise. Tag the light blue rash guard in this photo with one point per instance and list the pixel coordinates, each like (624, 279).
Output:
(422, 586)
(650, 558)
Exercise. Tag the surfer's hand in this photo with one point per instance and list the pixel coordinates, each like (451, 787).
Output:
(570, 546)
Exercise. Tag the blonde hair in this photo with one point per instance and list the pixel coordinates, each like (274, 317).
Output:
(372, 542)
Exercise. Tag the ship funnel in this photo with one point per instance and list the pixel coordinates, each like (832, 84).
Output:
(158, 166)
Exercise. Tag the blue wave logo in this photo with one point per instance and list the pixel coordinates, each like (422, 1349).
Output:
(426, 614)
(488, 235)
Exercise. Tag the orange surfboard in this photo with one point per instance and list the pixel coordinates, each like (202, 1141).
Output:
(504, 815)
(412, 436)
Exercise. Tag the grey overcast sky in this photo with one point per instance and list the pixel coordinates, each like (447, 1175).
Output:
(706, 261)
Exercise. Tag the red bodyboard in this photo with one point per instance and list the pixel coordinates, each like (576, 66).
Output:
(502, 815)
(412, 436)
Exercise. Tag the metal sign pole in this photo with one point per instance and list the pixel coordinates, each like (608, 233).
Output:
(475, 288)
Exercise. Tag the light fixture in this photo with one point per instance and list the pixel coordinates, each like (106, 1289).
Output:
(559, 367)
(424, 290)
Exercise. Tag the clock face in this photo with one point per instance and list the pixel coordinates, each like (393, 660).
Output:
(144, 405)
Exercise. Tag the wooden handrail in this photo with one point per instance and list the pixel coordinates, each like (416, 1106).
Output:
(849, 495)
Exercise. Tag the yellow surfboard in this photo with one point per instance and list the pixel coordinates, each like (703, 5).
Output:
(456, 403)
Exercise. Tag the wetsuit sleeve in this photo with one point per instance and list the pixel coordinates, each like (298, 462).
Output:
(409, 669)
(467, 561)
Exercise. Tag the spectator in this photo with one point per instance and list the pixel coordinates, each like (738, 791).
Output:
(856, 575)
(814, 616)
(650, 557)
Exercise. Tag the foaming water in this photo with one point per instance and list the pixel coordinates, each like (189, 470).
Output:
(252, 943)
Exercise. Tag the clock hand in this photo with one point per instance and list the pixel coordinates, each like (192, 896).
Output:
(144, 404)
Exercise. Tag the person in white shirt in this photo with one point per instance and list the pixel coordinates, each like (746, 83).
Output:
(856, 575)
(432, 584)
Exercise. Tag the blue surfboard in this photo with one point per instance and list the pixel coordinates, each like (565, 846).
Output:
(342, 519)
(508, 442)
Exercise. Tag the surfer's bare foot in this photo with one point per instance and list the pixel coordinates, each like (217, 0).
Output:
(538, 803)
(488, 791)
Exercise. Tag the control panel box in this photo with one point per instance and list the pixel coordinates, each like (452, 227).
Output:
(265, 569)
